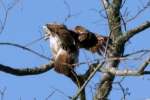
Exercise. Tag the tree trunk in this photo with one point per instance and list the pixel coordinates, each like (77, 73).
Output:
(114, 21)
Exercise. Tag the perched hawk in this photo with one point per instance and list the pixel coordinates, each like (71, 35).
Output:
(65, 45)
(64, 49)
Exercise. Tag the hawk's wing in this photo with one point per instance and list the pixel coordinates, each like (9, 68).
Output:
(65, 36)
(90, 40)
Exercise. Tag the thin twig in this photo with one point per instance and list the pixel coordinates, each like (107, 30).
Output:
(7, 11)
(139, 12)
(69, 15)
(136, 52)
(123, 3)
(122, 89)
(34, 41)
(106, 4)
(50, 95)
(2, 93)
(87, 81)
(25, 48)
(61, 92)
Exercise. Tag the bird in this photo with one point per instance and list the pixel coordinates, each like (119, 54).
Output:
(65, 52)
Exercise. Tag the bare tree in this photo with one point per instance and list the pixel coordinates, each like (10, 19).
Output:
(110, 47)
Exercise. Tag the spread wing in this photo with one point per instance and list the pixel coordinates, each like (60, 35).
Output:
(90, 40)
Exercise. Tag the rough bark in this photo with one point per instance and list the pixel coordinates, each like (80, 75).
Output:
(114, 20)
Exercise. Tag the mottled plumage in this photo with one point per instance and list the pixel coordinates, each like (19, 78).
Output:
(64, 49)
(65, 45)
(91, 41)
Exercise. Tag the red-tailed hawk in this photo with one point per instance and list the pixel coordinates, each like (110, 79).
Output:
(65, 45)
(64, 49)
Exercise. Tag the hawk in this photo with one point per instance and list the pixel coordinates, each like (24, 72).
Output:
(65, 45)
(64, 49)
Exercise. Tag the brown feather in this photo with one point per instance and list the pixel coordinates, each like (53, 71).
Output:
(66, 55)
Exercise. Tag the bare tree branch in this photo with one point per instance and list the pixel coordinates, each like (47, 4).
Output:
(2, 93)
(106, 4)
(61, 92)
(34, 41)
(69, 15)
(87, 81)
(110, 72)
(100, 12)
(125, 91)
(128, 35)
(123, 3)
(25, 48)
(26, 71)
(7, 11)
(137, 52)
(127, 72)
(50, 95)
(143, 67)
(140, 11)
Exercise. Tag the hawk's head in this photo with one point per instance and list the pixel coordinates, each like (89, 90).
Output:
(52, 29)
(63, 34)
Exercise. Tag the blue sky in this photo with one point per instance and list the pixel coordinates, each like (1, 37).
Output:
(24, 24)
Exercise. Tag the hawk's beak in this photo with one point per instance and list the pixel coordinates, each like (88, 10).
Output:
(46, 32)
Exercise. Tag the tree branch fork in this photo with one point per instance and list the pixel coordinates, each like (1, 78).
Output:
(125, 72)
